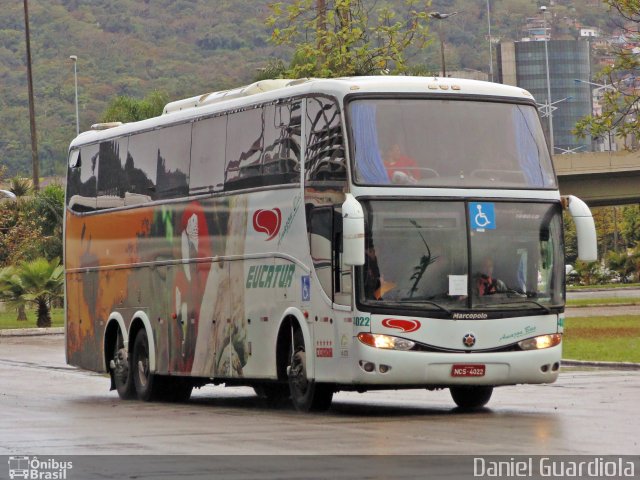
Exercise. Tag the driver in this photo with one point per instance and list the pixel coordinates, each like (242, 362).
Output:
(486, 284)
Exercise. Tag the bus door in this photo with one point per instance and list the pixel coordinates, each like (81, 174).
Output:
(325, 234)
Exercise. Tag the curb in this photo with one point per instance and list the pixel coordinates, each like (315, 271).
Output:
(609, 365)
(31, 332)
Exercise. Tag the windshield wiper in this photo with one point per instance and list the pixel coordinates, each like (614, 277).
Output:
(428, 302)
(522, 303)
(425, 261)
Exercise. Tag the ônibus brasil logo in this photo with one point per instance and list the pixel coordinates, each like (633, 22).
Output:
(268, 222)
(34, 468)
(401, 324)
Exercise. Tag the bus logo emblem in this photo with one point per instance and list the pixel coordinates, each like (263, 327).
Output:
(469, 340)
(401, 324)
(267, 221)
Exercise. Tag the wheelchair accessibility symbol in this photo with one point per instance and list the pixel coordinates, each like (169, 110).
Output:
(482, 216)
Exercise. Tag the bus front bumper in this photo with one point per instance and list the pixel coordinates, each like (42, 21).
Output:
(375, 366)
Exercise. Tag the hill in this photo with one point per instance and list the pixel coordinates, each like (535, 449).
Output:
(184, 48)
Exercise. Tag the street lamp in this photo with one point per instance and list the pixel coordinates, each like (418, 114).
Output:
(490, 43)
(441, 16)
(543, 9)
(75, 77)
(597, 94)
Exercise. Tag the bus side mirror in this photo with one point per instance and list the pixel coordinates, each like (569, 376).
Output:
(352, 232)
(585, 228)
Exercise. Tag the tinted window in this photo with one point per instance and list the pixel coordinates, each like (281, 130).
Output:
(81, 181)
(112, 180)
(245, 141)
(281, 159)
(141, 165)
(207, 155)
(449, 143)
(174, 149)
(325, 157)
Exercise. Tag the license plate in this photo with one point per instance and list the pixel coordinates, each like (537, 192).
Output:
(468, 370)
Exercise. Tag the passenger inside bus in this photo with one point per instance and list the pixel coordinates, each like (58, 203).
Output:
(486, 283)
(401, 168)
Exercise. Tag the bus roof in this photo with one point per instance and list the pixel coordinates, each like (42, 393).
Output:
(269, 90)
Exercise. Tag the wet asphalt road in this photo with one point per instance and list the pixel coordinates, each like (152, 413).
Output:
(50, 408)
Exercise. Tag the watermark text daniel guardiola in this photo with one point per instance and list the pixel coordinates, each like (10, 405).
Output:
(596, 467)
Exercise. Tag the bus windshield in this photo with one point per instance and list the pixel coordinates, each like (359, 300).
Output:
(444, 255)
(448, 143)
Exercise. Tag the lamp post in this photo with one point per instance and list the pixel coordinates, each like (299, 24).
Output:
(75, 78)
(490, 43)
(543, 9)
(598, 92)
(441, 16)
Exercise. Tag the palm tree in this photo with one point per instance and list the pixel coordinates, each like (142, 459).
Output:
(39, 282)
(21, 187)
(10, 290)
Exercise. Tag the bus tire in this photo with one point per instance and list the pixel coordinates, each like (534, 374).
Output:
(148, 385)
(121, 370)
(471, 397)
(306, 394)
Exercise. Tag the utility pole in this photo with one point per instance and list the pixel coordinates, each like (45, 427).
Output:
(35, 164)
(321, 30)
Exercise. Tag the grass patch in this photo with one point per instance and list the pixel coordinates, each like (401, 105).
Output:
(8, 319)
(591, 302)
(577, 288)
(604, 339)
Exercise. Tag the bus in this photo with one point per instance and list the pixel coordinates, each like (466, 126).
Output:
(304, 237)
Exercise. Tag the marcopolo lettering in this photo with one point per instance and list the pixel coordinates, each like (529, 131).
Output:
(270, 276)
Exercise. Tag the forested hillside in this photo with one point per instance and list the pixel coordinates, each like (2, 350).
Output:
(184, 48)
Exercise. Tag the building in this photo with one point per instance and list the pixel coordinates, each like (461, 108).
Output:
(524, 64)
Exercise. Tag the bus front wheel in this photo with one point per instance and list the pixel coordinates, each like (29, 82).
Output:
(471, 397)
(306, 394)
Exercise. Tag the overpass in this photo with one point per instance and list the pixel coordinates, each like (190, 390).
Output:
(602, 178)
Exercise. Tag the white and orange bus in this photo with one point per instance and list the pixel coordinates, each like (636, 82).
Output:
(311, 236)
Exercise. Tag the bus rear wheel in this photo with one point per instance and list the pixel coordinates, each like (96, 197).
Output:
(148, 385)
(121, 370)
(306, 394)
(471, 397)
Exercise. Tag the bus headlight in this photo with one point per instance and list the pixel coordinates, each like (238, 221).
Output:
(385, 341)
(543, 341)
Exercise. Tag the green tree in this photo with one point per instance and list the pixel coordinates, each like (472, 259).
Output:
(346, 37)
(621, 102)
(128, 109)
(38, 282)
(10, 290)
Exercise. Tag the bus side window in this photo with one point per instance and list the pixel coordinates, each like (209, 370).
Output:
(281, 158)
(325, 153)
(82, 181)
(174, 145)
(141, 166)
(112, 181)
(207, 155)
(320, 236)
(245, 142)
